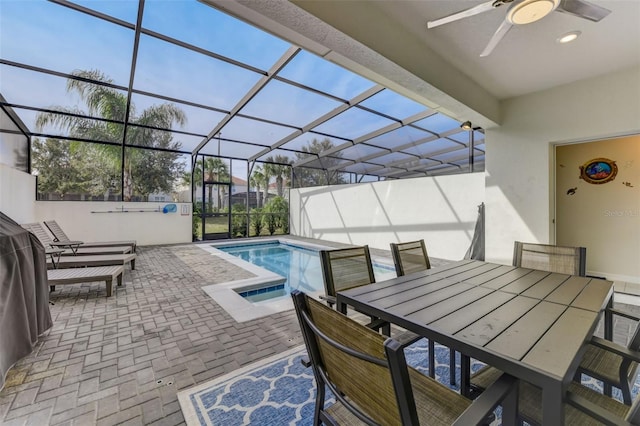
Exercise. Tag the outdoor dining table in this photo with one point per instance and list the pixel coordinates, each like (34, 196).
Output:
(531, 324)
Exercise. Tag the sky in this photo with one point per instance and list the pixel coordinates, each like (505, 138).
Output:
(44, 34)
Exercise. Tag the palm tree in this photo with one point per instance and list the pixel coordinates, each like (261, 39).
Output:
(105, 102)
(216, 170)
(278, 167)
(256, 180)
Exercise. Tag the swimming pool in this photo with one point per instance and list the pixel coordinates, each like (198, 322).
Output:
(300, 266)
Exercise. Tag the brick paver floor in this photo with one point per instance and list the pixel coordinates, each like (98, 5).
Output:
(122, 359)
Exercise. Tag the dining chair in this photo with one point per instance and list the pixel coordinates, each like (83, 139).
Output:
(611, 363)
(347, 268)
(545, 257)
(583, 407)
(367, 374)
(409, 257)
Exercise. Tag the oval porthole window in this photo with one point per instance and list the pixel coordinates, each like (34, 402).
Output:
(598, 170)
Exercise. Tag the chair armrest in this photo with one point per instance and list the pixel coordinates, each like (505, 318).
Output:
(331, 300)
(615, 348)
(594, 410)
(505, 386)
(624, 314)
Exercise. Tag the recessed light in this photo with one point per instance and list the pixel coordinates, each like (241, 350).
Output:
(568, 37)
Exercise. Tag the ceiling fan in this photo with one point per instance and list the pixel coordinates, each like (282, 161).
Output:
(525, 12)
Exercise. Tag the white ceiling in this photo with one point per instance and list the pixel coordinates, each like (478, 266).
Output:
(388, 42)
(528, 59)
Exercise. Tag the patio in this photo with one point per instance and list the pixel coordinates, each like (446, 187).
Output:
(121, 360)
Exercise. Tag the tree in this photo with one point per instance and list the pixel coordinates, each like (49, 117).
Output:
(279, 169)
(257, 180)
(306, 176)
(277, 215)
(143, 171)
(60, 167)
(216, 170)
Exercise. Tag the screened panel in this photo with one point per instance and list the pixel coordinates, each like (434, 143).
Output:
(432, 147)
(71, 170)
(363, 168)
(317, 73)
(312, 142)
(361, 150)
(395, 157)
(39, 90)
(196, 120)
(453, 156)
(227, 148)
(124, 10)
(60, 125)
(478, 137)
(392, 104)
(147, 137)
(151, 175)
(14, 149)
(287, 104)
(191, 22)
(289, 155)
(437, 123)
(58, 38)
(184, 74)
(399, 137)
(248, 130)
(353, 123)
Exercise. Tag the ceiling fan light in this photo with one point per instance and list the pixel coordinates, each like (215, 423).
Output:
(568, 37)
(531, 11)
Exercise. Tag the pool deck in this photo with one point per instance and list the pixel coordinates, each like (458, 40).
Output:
(122, 359)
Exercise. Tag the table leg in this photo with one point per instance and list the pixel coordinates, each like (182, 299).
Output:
(552, 405)
(341, 306)
(465, 373)
(608, 320)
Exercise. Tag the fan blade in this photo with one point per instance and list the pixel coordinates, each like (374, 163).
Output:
(502, 30)
(484, 7)
(583, 9)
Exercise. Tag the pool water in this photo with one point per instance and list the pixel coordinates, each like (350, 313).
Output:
(300, 266)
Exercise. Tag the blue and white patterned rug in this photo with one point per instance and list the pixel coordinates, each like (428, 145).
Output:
(279, 390)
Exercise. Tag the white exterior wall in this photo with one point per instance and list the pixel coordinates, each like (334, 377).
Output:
(442, 210)
(87, 221)
(519, 159)
(17, 192)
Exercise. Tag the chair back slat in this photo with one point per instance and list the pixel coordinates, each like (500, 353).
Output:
(37, 230)
(559, 259)
(56, 230)
(410, 257)
(343, 269)
(360, 373)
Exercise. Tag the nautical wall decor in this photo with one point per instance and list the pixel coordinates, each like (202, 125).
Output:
(598, 171)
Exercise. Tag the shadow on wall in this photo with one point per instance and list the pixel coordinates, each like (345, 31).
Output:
(442, 210)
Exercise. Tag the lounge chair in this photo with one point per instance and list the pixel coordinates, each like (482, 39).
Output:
(85, 275)
(95, 260)
(72, 248)
(367, 373)
(60, 236)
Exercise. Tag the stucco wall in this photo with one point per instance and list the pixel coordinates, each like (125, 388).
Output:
(519, 160)
(90, 221)
(442, 210)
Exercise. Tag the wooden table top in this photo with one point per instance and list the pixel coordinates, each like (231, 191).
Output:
(531, 323)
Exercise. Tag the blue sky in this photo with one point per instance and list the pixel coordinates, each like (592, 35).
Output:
(44, 34)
